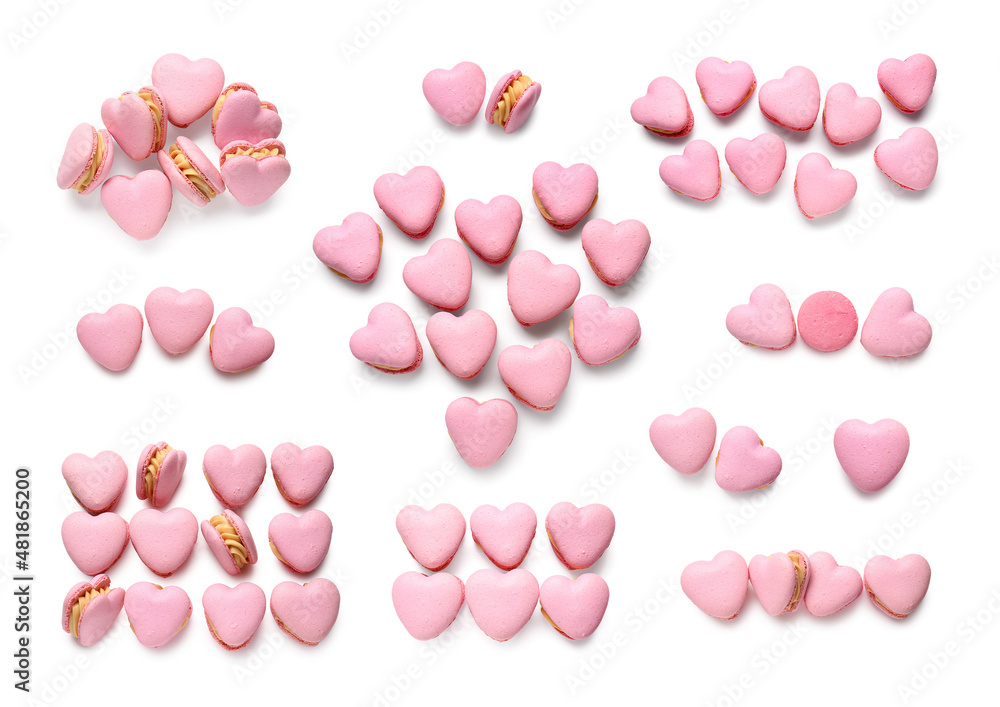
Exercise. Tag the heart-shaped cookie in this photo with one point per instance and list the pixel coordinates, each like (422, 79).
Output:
(538, 289)
(791, 101)
(96, 483)
(254, 171)
(137, 121)
(564, 195)
(139, 204)
(684, 441)
(178, 320)
(743, 463)
(757, 164)
(602, 334)
(432, 536)
(501, 603)
(490, 229)
(111, 338)
(615, 251)
(766, 321)
(910, 160)
(94, 543)
(91, 608)
(724, 85)
(847, 117)
(832, 587)
(234, 613)
(456, 94)
(505, 535)
(574, 607)
(189, 87)
(306, 612)
(695, 173)
(234, 475)
(718, 586)
(300, 474)
(463, 344)
(871, 455)
(235, 344)
(481, 431)
(897, 587)
(537, 375)
(229, 538)
(156, 614)
(163, 540)
(300, 543)
(388, 341)
(412, 200)
(664, 110)
(893, 329)
(579, 536)
(426, 606)
(351, 250)
(821, 190)
(240, 114)
(908, 84)
(158, 473)
(443, 277)
(780, 580)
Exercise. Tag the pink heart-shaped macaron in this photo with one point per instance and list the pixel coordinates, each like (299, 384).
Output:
(94, 543)
(537, 376)
(96, 483)
(505, 535)
(757, 164)
(456, 94)
(432, 536)
(664, 110)
(574, 607)
(388, 341)
(426, 606)
(243, 116)
(615, 251)
(897, 587)
(300, 542)
(98, 614)
(579, 536)
(351, 250)
(443, 277)
(511, 101)
(234, 475)
(412, 200)
(111, 338)
(832, 587)
(481, 431)
(820, 190)
(178, 320)
(306, 612)
(538, 289)
(564, 195)
(724, 85)
(300, 474)
(132, 124)
(139, 204)
(893, 329)
(684, 441)
(189, 88)
(910, 160)
(780, 580)
(600, 333)
(908, 84)
(156, 614)
(234, 613)
(163, 540)
(490, 229)
(743, 463)
(254, 171)
(847, 117)
(235, 344)
(463, 344)
(766, 321)
(501, 603)
(871, 455)
(695, 173)
(717, 586)
(791, 101)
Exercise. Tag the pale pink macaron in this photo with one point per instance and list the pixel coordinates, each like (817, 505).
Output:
(908, 84)
(820, 189)
(178, 320)
(94, 543)
(791, 101)
(743, 463)
(91, 608)
(426, 606)
(564, 195)
(306, 612)
(156, 614)
(538, 289)
(412, 200)
(189, 87)
(111, 338)
(95, 482)
(233, 614)
(229, 538)
(695, 173)
(898, 586)
(765, 321)
(537, 376)
(352, 250)
(490, 229)
(718, 586)
(163, 540)
(757, 164)
(832, 587)
(463, 344)
(235, 344)
(501, 603)
(848, 117)
(684, 441)
(780, 581)
(456, 94)
(442, 277)
(579, 536)
(664, 110)
(254, 171)
(893, 329)
(615, 251)
(513, 98)
(240, 114)
(192, 173)
(300, 542)
(827, 321)
(139, 204)
(432, 536)
(910, 160)
(505, 535)
(725, 85)
(600, 333)
(871, 454)
(301, 474)
(388, 341)
(87, 159)
(137, 121)
(574, 607)
(159, 473)
(234, 475)
(482, 432)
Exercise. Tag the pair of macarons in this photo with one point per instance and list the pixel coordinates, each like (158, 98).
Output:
(828, 322)
(234, 475)
(299, 542)
(456, 94)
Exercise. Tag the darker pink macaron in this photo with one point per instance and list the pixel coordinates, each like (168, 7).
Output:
(827, 321)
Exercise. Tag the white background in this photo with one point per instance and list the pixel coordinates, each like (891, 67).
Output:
(350, 118)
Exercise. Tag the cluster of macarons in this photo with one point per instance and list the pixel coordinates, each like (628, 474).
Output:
(177, 321)
(457, 94)
(502, 602)
(252, 161)
(785, 581)
(827, 321)
(871, 454)
(792, 102)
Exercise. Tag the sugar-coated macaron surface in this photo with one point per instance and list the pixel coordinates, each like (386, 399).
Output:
(694, 173)
(718, 586)
(426, 606)
(908, 84)
(178, 320)
(791, 101)
(579, 536)
(871, 454)
(832, 587)
(910, 160)
(388, 341)
(892, 329)
(600, 333)
(235, 344)
(536, 376)
(574, 606)
(91, 608)
(505, 535)
(301, 474)
(725, 85)
(163, 540)
(564, 195)
(757, 163)
(156, 614)
(481, 431)
(538, 289)
(490, 229)
(96, 482)
(501, 603)
(300, 542)
(743, 463)
(827, 321)
(464, 343)
(94, 543)
(664, 110)
(684, 441)
(189, 87)
(897, 586)
(233, 614)
(412, 200)
(456, 94)
(234, 475)
(442, 277)
(306, 612)
(433, 535)
(111, 338)
(352, 250)
(766, 321)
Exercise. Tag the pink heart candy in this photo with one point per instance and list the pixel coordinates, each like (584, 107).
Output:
(163, 540)
(847, 117)
(156, 614)
(412, 200)
(94, 543)
(234, 475)
(871, 455)
(235, 344)
(897, 587)
(767, 321)
(908, 84)
(99, 614)
(178, 320)
(490, 229)
(579, 536)
(189, 88)
(432, 536)
(300, 542)
(306, 612)
(564, 195)
(301, 474)
(234, 613)
(893, 329)
(602, 334)
(139, 204)
(505, 535)
(574, 607)
(456, 94)
(791, 101)
(820, 190)
(388, 342)
(254, 171)
(615, 251)
(743, 463)
(244, 116)
(537, 289)
(501, 603)
(695, 173)
(724, 85)
(664, 110)
(443, 277)
(463, 344)
(111, 338)
(684, 441)
(96, 483)
(481, 431)
(426, 606)
(131, 123)
(780, 580)
(351, 250)
(717, 586)
(910, 160)
(537, 376)
(832, 587)
(757, 164)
